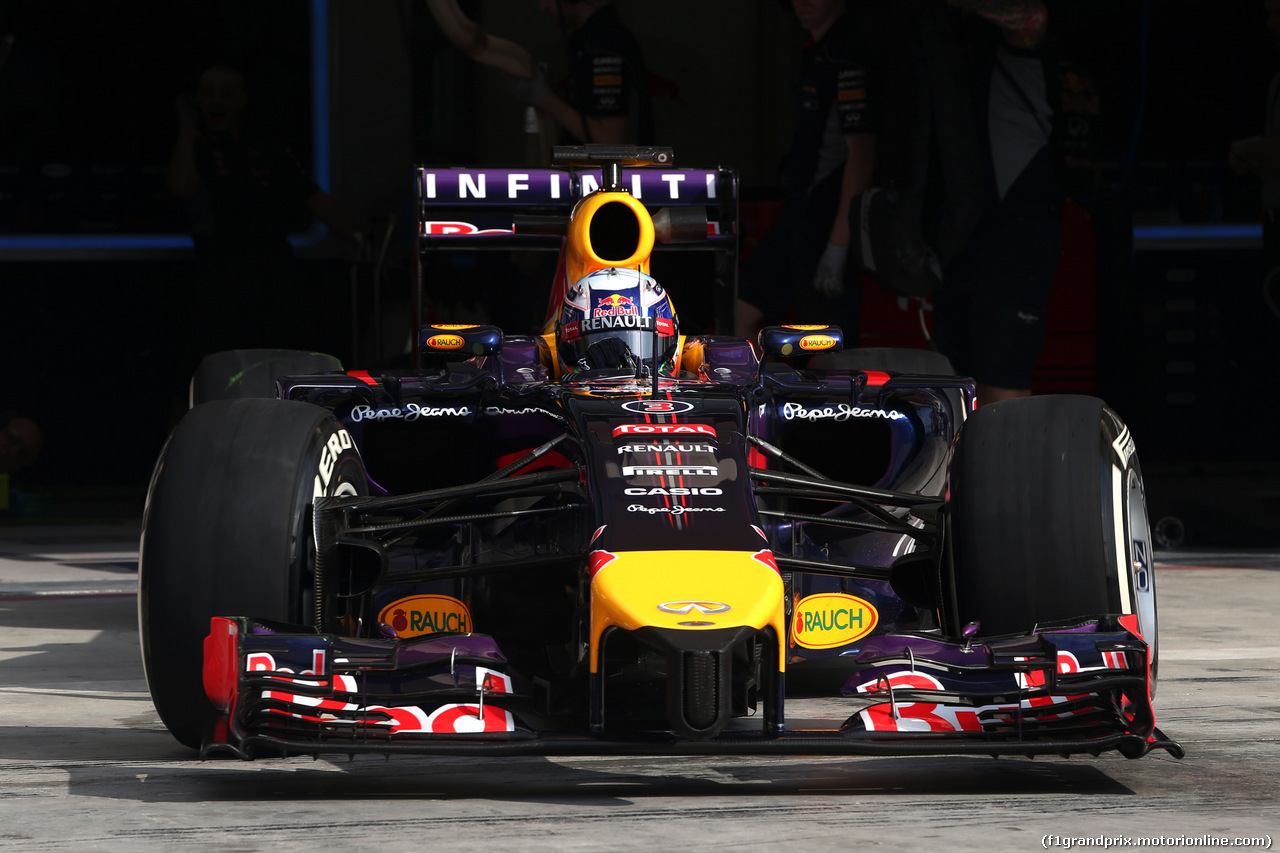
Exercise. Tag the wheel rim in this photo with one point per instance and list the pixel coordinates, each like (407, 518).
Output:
(1142, 568)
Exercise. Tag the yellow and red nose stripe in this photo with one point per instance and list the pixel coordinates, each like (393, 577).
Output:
(685, 590)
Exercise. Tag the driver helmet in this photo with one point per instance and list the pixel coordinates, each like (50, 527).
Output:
(616, 319)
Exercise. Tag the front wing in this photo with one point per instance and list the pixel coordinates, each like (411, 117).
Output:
(286, 688)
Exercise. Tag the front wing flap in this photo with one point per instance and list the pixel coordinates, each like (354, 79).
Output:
(1080, 684)
(288, 684)
(287, 688)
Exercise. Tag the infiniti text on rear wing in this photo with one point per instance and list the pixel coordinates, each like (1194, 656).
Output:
(474, 203)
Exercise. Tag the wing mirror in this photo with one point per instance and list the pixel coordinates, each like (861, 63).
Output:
(796, 341)
(459, 341)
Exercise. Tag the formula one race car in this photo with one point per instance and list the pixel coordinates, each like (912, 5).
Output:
(622, 538)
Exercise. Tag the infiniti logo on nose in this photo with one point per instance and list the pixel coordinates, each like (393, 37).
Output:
(686, 607)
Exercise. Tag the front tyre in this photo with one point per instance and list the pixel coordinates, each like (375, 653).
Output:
(227, 532)
(1049, 519)
(233, 374)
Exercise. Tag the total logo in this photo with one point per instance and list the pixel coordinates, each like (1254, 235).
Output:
(664, 429)
(832, 619)
(426, 614)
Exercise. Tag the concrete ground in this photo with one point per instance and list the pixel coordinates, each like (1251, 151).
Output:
(85, 763)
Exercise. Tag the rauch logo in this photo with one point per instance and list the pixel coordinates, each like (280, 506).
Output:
(426, 614)
(817, 342)
(832, 619)
(445, 342)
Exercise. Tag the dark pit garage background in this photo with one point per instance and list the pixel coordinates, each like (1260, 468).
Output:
(1160, 305)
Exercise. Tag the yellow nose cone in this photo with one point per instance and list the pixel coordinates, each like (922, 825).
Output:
(685, 590)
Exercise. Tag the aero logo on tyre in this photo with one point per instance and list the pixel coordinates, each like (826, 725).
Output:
(339, 442)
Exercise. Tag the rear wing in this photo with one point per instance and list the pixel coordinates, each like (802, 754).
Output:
(468, 209)
(455, 203)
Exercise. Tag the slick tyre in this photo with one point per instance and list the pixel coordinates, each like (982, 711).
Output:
(227, 532)
(1048, 519)
(240, 373)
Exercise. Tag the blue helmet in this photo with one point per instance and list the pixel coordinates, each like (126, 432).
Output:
(616, 319)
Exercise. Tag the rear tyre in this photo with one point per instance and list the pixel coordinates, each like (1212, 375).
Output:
(1048, 519)
(227, 532)
(240, 373)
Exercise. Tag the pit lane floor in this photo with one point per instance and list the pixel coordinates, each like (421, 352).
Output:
(84, 761)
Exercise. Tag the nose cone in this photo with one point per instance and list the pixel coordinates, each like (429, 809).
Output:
(685, 591)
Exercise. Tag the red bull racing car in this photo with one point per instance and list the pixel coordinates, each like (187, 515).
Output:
(621, 537)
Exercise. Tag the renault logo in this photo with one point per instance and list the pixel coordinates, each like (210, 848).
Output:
(684, 608)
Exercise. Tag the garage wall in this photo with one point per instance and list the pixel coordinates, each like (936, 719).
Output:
(371, 106)
(727, 67)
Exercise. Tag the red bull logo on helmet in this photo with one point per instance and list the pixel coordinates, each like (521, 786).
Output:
(615, 305)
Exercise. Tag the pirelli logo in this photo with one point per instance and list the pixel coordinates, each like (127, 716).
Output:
(853, 95)
(670, 471)
(608, 79)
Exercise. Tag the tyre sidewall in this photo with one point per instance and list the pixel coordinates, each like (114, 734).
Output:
(227, 532)
(1046, 513)
(242, 373)
(1135, 556)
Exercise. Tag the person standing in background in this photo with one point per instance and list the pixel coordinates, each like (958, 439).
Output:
(607, 98)
(801, 265)
(245, 192)
(1260, 155)
(991, 314)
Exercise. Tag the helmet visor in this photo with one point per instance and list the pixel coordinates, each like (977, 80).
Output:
(638, 333)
